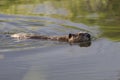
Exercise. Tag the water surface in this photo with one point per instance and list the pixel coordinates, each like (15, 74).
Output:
(52, 60)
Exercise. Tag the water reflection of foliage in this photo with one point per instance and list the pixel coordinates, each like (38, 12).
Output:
(107, 8)
(104, 13)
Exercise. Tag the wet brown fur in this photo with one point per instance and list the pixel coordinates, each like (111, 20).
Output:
(71, 38)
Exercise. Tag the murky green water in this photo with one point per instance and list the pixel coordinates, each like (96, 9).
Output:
(51, 60)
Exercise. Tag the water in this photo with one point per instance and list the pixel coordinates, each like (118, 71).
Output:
(39, 25)
(97, 62)
(52, 60)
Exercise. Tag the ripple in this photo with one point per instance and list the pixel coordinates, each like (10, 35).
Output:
(41, 25)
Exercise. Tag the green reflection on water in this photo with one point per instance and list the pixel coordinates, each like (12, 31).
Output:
(103, 13)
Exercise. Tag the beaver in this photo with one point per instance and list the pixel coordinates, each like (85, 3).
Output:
(71, 37)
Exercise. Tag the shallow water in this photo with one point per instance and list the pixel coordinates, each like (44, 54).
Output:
(52, 60)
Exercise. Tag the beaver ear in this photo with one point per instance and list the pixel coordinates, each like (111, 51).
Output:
(70, 35)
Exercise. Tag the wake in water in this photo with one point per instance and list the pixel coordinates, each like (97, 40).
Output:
(38, 25)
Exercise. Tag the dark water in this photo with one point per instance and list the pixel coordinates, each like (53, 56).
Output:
(51, 60)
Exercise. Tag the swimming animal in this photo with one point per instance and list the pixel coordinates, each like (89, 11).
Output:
(71, 37)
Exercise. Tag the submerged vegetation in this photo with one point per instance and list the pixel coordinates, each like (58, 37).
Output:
(103, 13)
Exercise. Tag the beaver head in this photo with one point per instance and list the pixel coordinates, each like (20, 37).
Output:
(79, 37)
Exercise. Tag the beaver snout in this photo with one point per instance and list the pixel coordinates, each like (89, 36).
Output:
(88, 36)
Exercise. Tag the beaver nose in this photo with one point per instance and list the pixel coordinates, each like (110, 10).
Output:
(88, 36)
